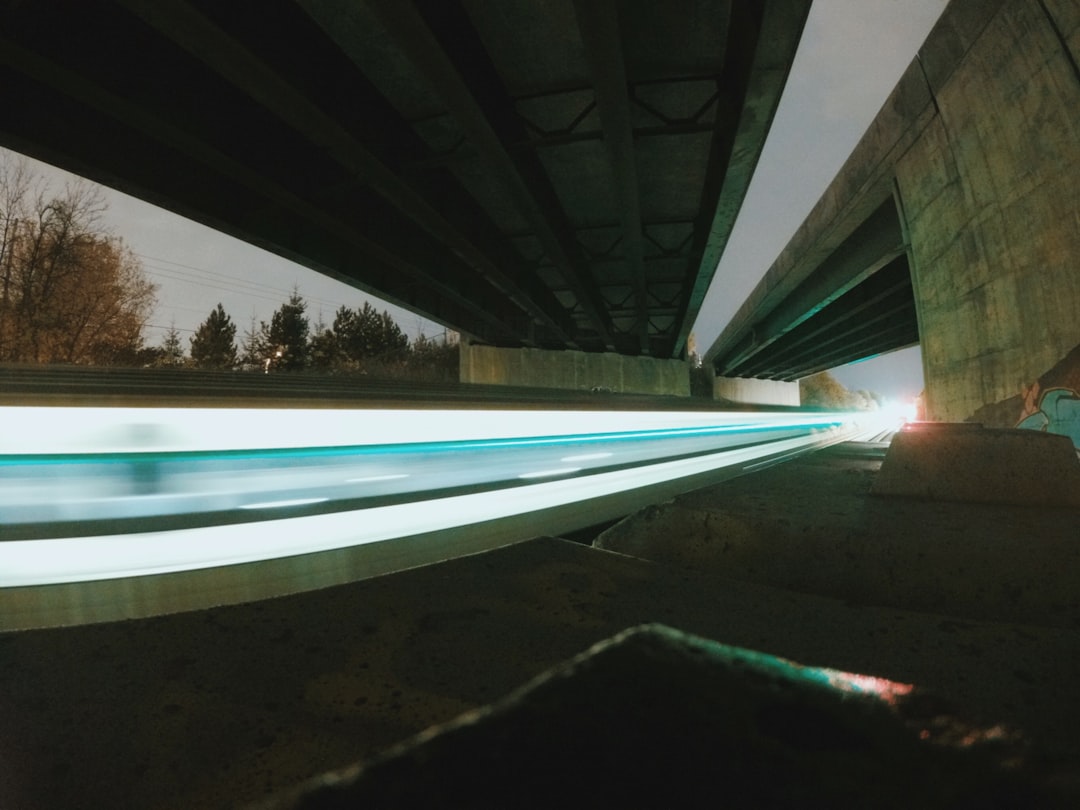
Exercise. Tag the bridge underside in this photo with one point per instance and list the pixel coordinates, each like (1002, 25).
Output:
(873, 318)
(957, 210)
(857, 303)
(556, 174)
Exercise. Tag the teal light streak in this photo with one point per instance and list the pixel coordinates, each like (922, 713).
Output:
(128, 457)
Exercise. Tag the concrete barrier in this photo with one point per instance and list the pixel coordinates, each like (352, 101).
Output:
(967, 462)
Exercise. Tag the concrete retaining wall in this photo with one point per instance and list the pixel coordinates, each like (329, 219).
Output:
(756, 392)
(574, 371)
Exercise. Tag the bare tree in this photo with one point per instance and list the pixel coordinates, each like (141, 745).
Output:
(69, 291)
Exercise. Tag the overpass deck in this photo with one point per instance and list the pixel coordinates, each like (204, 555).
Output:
(546, 174)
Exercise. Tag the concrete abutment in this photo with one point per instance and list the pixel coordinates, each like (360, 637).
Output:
(574, 370)
(757, 392)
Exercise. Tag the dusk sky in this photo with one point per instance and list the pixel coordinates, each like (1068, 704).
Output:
(851, 55)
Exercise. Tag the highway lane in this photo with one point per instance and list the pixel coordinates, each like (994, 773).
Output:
(97, 493)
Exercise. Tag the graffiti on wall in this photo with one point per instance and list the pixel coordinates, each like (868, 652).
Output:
(1050, 404)
(1052, 410)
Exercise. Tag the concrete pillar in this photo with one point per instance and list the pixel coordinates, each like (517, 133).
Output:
(574, 371)
(990, 196)
(756, 392)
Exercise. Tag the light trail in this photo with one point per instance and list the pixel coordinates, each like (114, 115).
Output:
(101, 430)
(550, 473)
(453, 469)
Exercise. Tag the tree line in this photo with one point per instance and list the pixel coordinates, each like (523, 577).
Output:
(823, 390)
(359, 341)
(73, 293)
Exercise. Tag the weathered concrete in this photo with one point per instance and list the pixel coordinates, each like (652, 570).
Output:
(756, 392)
(945, 461)
(657, 718)
(990, 197)
(574, 371)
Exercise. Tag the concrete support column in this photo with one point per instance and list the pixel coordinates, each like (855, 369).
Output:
(756, 392)
(990, 196)
(574, 371)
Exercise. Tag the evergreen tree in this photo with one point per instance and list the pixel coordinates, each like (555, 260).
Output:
(214, 342)
(322, 349)
(255, 349)
(350, 328)
(323, 352)
(434, 359)
(287, 334)
(172, 350)
(367, 335)
(391, 342)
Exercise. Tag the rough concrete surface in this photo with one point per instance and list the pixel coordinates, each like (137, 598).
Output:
(227, 706)
(962, 461)
(758, 392)
(574, 370)
(989, 198)
(813, 526)
(656, 718)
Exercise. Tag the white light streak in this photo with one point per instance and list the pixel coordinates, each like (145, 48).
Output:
(550, 473)
(283, 504)
(585, 457)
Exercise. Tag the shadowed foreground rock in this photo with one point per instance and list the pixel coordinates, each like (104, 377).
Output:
(657, 718)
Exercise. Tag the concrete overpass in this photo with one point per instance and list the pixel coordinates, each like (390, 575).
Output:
(953, 224)
(557, 175)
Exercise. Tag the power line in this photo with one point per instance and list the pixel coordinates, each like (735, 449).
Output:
(168, 328)
(240, 285)
(224, 280)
